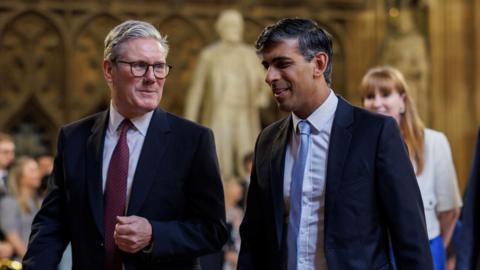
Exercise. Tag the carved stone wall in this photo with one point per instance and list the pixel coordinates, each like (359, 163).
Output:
(51, 53)
(455, 65)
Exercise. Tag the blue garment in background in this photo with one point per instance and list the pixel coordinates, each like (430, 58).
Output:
(438, 254)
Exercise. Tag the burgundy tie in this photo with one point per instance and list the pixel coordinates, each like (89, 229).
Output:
(115, 195)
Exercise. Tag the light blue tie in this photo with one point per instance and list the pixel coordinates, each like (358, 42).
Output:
(296, 195)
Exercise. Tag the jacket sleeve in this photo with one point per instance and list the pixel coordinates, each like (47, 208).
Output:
(49, 236)
(248, 228)
(252, 229)
(204, 231)
(401, 202)
(468, 252)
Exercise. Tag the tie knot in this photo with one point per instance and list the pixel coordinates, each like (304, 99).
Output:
(125, 125)
(304, 127)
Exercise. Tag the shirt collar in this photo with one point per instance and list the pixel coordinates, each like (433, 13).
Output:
(140, 123)
(321, 115)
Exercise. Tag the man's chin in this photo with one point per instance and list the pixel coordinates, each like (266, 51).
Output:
(284, 107)
(148, 109)
(148, 105)
(141, 110)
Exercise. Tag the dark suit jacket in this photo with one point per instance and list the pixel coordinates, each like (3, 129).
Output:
(371, 193)
(468, 249)
(176, 187)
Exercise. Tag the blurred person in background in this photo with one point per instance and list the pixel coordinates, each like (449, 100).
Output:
(233, 195)
(45, 167)
(7, 156)
(19, 207)
(245, 182)
(385, 91)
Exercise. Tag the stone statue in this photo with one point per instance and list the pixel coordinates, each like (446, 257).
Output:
(227, 91)
(406, 50)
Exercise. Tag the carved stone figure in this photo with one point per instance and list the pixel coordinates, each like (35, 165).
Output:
(406, 50)
(227, 91)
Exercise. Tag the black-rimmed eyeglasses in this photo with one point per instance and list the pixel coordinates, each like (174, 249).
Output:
(139, 69)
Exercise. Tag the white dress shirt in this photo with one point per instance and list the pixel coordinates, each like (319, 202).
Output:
(135, 138)
(311, 255)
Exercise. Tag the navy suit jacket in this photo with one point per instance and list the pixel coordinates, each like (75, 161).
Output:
(176, 186)
(468, 248)
(371, 196)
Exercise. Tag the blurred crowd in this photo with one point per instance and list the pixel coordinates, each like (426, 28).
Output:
(23, 184)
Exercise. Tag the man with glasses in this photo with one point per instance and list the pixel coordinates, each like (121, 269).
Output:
(134, 186)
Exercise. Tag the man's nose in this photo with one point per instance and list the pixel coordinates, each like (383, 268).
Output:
(272, 75)
(149, 75)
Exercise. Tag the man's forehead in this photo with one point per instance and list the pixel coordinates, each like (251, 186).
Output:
(286, 48)
(149, 46)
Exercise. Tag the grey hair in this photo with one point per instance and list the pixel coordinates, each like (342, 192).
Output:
(128, 30)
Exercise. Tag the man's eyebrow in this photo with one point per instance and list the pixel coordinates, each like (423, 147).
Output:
(277, 59)
(281, 58)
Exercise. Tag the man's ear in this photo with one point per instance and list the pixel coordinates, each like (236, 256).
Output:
(107, 70)
(321, 61)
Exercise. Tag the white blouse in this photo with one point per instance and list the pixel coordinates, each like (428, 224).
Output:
(438, 180)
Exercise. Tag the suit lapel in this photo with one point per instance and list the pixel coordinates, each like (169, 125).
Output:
(277, 170)
(94, 169)
(340, 138)
(156, 141)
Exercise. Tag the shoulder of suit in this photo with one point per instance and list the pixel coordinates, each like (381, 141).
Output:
(179, 123)
(272, 130)
(361, 113)
(364, 120)
(84, 123)
(278, 124)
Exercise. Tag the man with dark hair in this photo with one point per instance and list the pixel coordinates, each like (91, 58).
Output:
(332, 186)
(133, 187)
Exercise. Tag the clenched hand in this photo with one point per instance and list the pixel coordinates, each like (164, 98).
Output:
(132, 233)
